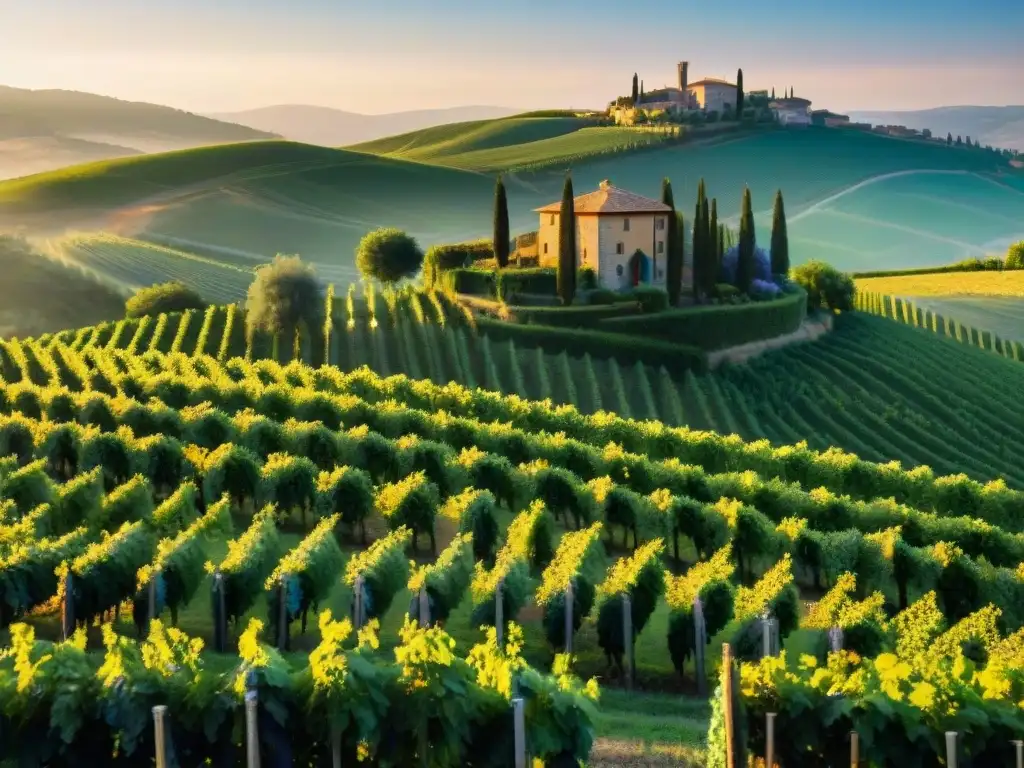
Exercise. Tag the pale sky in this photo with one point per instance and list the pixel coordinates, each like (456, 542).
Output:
(404, 54)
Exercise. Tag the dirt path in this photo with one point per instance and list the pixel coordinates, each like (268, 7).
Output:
(809, 331)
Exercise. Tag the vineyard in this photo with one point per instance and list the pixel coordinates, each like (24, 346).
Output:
(853, 389)
(127, 471)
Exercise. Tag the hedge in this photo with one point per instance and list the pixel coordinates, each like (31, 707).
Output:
(715, 327)
(991, 264)
(441, 258)
(540, 280)
(626, 350)
(469, 280)
(584, 316)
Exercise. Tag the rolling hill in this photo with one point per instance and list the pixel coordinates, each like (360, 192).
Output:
(336, 128)
(860, 201)
(45, 129)
(999, 126)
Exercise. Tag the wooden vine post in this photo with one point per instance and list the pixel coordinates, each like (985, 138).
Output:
(727, 707)
(424, 599)
(700, 642)
(160, 734)
(569, 605)
(627, 639)
(358, 609)
(519, 732)
(282, 615)
(252, 737)
(67, 608)
(499, 611)
(220, 627)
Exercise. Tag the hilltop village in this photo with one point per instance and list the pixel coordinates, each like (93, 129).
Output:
(711, 100)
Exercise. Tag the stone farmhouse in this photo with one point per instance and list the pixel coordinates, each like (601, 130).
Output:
(620, 235)
(709, 94)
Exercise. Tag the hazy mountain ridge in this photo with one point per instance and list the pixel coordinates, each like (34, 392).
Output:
(337, 128)
(1001, 127)
(42, 130)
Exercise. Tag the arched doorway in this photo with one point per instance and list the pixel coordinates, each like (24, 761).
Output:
(639, 268)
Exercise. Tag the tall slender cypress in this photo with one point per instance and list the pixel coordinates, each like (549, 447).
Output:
(713, 263)
(674, 251)
(698, 266)
(636, 89)
(567, 245)
(745, 267)
(708, 246)
(501, 234)
(721, 245)
(739, 94)
(780, 238)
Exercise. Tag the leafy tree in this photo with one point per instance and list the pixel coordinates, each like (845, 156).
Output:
(501, 234)
(745, 265)
(967, 141)
(1015, 256)
(780, 238)
(949, 139)
(674, 251)
(388, 255)
(739, 94)
(826, 286)
(567, 245)
(636, 89)
(165, 297)
(284, 298)
(959, 141)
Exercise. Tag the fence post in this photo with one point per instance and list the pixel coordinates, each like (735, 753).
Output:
(727, 708)
(776, 640)
(627, 638)
(424, 608)
(835, 639)
(357, 603)
(252, 737)
(499, 611)
(1019, 746)
(700, 642)
(282, 613)
(569, 605)
(950, 749)
(336, 750)
(151, 613)
(854, 749)
(519, 731)
(160, 734)
(219, 624)
(67, 610)
(769, 747)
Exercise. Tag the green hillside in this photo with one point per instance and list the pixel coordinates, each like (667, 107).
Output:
(955, 410)
(860, 201)
(441, 141)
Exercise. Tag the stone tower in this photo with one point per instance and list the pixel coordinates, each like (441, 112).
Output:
(683, 67)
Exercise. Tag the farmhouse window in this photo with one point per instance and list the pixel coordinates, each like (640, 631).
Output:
(661, 246)
(625, 225)
(618, 270)
(545, 247)
(661, 223)
(620, 248)
(552, 221)
(584, 255)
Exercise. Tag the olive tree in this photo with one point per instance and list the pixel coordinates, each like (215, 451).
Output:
(286, 298)
(388, 255)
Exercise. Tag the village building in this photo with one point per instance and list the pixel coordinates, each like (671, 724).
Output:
(709, 94)
(792, 111)
(622, 236)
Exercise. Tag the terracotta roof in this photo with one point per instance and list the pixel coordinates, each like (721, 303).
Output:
(711, 81)
(609, 199)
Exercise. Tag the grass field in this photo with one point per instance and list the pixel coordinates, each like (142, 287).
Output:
(949, 285)
(878, 407)
(263, 198)
(1002, 315)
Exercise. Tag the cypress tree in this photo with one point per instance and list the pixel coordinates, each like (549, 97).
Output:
(641, 90)
(501, 234)
(773, 93)
(721, 245)
(780, 238)
(674, 254)
(949, 139)
(636, 89)
(748, 240)
(739, 94)
(713, 263)
(698, 265)
(707, 265)
(567, 245)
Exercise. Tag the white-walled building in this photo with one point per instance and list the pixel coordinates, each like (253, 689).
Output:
(792, 111)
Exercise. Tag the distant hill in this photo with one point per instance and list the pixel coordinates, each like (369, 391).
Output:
(336, 128)
(1001, 127)
(858, 200)
(45, 129)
